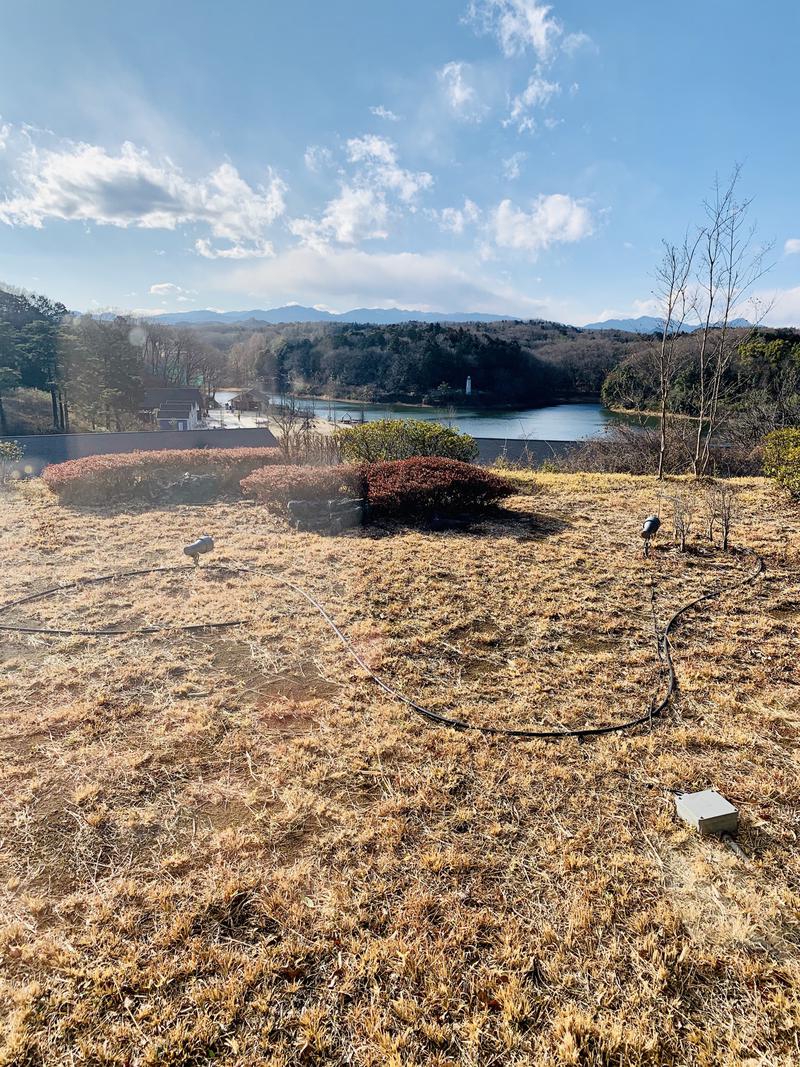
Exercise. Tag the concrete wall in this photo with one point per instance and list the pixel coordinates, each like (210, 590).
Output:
(41, 449)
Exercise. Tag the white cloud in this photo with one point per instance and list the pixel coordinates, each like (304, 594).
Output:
(371, 149)
(538, 93)
(363, 208)
(385, 113)
(357, 214)
(455, 220)
(512, 167)
(317, 158)
(84, 182)
(554, 219)
(382, 170)
(778, 307)
(5, 132)
(576, 42)
(518, 25)
(170, 289)
(792, 246)
(346, 278)
(256, 249)
(459, 92)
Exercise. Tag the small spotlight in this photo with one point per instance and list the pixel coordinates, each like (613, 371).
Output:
(649, 529)
(199, 548)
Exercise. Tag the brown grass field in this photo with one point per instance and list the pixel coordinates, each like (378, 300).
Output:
(231, 847)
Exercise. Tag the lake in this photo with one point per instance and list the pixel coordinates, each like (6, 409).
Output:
(556, 422)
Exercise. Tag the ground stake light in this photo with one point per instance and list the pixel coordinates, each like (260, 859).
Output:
(199, 548)
(649, 529)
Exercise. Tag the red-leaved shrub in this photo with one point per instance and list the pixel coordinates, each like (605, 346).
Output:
(426, 484)
(276, 486)
(144, 475)
(418, 486)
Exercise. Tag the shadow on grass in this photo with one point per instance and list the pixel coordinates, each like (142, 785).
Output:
(488, 522)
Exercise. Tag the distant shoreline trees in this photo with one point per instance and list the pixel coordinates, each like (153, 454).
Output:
(93, 370)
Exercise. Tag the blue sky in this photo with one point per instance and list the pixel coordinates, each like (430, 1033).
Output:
(495, 155)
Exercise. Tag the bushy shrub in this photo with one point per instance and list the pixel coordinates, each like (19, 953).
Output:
(389, 439)
(426, 484)
(145, 475)
(782, 459)
(275, 486)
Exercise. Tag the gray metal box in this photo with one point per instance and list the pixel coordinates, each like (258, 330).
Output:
(708, 812)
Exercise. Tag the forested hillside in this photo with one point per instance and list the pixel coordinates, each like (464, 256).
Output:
(759, 378)
(509, 362)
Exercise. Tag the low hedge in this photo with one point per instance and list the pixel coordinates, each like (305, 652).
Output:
(144, 475)
(275, 486)
(422, 485)
(388, 439)
(782, 459)
(427, 484)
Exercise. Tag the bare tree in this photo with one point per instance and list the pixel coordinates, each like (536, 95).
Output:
(729, 265)
(672, 291)
(727, 512)
(683, 508)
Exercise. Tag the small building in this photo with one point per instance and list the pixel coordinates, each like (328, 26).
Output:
(239, 399)
(173, 407)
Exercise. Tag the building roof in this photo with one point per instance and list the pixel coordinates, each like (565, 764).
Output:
(226, 396)
(158, 397)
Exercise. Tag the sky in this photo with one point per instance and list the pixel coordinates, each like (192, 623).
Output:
(498, 156)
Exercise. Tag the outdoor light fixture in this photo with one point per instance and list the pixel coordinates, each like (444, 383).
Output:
(199, 548)
(649, 529)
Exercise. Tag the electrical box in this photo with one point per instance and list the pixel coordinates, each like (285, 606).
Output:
(708, 812)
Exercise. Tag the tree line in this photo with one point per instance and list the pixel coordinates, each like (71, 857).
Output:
(62, 372)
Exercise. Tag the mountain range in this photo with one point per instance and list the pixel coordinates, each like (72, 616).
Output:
(297, 313)
(385, 316)
(649, 324)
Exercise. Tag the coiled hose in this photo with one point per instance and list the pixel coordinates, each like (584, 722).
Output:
(662, 641)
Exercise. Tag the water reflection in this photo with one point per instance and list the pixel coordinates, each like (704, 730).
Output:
(557, 422)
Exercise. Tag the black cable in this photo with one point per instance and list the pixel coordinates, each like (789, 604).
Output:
(663, 645)
(77, 632)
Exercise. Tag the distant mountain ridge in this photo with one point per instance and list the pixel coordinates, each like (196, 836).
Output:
(649, 324)
(297, 313)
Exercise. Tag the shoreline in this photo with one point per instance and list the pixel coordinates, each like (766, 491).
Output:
(633, 412)
(579, 398)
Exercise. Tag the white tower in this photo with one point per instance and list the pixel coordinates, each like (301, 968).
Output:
(468, 390)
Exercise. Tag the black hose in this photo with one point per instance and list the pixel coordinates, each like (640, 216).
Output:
(663, 646)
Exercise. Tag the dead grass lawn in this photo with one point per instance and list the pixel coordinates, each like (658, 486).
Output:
(231, 847)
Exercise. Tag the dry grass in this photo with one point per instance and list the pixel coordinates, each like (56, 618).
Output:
(232, 848)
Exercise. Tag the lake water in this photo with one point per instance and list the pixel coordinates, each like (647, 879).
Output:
(557, 422)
